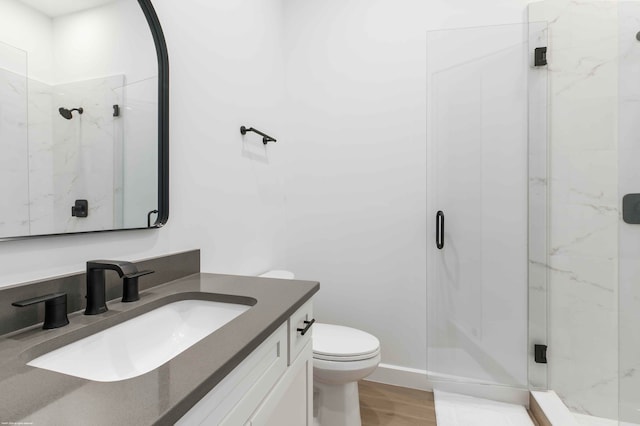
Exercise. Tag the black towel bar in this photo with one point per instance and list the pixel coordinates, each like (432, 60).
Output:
(265, 138)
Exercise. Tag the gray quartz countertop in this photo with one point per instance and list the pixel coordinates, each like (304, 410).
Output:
(41, 397)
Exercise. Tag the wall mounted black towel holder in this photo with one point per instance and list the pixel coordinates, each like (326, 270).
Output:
(265, 138)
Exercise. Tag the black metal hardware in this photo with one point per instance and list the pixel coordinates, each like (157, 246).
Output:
(540, 56)
(80, 209)
(116, 110)
(163, 110)
(540, 354)
(149, 217)
(440, 229)
(130, 286)
(68, 113)
(96, 294)
(265, 138)
(55, 309)
(631, 209)
(308, 325)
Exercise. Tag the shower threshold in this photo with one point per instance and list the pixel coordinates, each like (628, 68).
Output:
(454, 409)
(548, 409)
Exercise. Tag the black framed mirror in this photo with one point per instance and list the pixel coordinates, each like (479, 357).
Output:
(84, 117)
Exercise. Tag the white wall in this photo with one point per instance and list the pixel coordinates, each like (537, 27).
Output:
(103, 41)
(356, 156)
(226, 195)
(31, 31)
(353, 145)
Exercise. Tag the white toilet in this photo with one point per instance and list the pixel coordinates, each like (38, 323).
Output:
(341, 357)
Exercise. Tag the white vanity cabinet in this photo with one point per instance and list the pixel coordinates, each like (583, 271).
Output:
(272, 386)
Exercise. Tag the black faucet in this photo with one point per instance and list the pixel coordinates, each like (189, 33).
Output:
(96, 292)
(130, 286)
(55, 309)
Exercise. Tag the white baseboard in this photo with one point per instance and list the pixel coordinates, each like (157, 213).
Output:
(401, 376)
(419, 379)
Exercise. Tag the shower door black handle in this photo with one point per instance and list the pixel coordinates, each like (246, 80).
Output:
(440, 229)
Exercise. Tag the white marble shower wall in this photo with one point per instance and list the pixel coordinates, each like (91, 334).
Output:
(584, 212)
(14, 199)
(629, 235)
(84, 154)
(51, 161)
(41, 182)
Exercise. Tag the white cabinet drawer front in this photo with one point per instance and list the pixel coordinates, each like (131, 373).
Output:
(297, 341)
(233, 400)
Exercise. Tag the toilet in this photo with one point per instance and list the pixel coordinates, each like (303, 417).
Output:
(341, 357)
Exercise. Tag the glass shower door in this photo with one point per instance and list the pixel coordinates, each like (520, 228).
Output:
(483, 91)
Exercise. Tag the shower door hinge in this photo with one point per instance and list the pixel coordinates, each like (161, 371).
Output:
(540, 353)
(540, 56)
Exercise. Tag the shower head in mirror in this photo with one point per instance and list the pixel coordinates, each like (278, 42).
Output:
(67, 113)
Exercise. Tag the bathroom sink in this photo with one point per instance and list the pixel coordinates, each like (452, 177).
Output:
(140, 344)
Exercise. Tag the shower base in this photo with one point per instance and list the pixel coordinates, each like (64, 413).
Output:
(460, 410)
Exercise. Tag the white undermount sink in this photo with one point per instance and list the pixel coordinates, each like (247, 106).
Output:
(140, 344)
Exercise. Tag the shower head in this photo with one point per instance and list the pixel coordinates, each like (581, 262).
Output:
(67, 113)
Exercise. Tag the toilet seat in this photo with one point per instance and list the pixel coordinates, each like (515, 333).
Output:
(362, 357)
(343, 344)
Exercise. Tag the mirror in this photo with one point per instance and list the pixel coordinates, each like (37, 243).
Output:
(83, 117)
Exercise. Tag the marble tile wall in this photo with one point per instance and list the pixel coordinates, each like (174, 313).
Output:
(41, 184)
(583, 215)
(52, 161)
(84, 166)
(14, 198)
(629, 235)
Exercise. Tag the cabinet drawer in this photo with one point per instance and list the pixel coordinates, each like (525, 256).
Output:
(297, 340)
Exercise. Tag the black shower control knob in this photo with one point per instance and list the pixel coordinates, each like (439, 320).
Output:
(80, 208)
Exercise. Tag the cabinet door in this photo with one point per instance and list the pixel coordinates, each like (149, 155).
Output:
(234, 399)
(291, 401)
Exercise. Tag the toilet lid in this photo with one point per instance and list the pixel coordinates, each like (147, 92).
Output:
(340, 343)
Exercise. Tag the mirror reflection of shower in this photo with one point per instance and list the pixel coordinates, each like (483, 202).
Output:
(68, 113)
